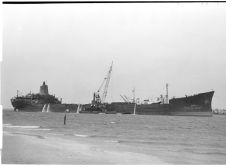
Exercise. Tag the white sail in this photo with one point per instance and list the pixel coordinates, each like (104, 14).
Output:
(134, 109)
(48, 108)
(44, 108)
(78, 109)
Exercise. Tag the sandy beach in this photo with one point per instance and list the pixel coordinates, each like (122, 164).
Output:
(24, 147)
(42, 138)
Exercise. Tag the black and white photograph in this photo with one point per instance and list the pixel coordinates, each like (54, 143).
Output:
(113, 83)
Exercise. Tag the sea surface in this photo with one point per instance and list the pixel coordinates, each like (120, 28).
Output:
(173, 139)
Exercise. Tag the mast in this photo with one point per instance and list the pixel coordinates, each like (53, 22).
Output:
(133, 95)
(134, 100)
(167, 97)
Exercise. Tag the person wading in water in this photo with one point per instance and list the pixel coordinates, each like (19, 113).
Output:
(65, 116)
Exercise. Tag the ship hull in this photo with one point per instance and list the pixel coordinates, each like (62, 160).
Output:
(196, 105)
(26, 105)
(173, 113)
(29, 106)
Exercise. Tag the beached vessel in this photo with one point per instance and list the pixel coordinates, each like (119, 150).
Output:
(196, 105)
(40, 102)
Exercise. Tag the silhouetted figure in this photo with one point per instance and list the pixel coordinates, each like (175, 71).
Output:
(65, 118)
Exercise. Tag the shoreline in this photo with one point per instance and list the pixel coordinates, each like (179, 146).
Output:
(30, 148)
(42, 138)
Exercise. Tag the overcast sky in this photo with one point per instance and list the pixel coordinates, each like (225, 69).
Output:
(72, 46)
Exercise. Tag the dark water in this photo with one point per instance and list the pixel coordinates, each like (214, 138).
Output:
(174, 139)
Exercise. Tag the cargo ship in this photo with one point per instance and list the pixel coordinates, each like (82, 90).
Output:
(196, 105)
(41, 102)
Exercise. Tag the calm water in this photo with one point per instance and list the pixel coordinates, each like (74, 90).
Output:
(174, 139)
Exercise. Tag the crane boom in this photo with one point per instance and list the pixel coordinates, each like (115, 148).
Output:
(101, 85)
(125, 100)
(107, 83)
(128, 99)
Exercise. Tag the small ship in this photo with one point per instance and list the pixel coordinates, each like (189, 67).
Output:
(40, 102)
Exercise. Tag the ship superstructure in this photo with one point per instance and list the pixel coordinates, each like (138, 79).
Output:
(37, 102)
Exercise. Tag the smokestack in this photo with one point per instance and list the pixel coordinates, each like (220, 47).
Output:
(44, 89)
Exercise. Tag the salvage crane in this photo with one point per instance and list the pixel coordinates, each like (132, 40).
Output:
(98, 103)
(106, 84)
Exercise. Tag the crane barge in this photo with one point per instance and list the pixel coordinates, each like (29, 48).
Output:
(98, 102)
